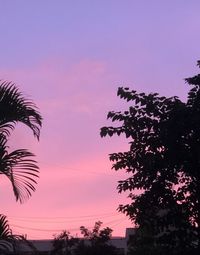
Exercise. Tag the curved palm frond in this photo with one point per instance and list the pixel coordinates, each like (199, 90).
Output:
(20, 169)
(17, 165)
(5, 231)
(15, 108)
(5, 234)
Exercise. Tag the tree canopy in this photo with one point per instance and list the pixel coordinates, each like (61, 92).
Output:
(163, 163)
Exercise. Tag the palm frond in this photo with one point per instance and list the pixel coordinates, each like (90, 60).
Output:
(18, 165)
(21, 170)
(5, 230)
(15, 108)
(5, 235)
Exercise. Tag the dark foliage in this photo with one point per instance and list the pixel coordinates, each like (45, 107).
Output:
(17, 165)
(63, 243)
(95, 242)
(163, 164)
(9, 243)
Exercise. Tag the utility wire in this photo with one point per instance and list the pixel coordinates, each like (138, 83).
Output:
(78, 170)
(64, 217)
(60, 230)
(63, 221)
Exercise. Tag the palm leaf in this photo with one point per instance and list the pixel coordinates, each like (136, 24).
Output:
(18, 165)
(15, 108)
(5, 234)
(5, 230)
(21, 170)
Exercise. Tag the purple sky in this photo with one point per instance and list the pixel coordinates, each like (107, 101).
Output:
(70, 57)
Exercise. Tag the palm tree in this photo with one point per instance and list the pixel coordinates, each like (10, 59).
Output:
(18, 165)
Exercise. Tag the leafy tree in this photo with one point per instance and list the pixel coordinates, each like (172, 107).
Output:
(63, 243)
(95, 242)
(163, 164)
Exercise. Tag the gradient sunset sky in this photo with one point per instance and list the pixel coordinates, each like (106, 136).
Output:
(69, 57)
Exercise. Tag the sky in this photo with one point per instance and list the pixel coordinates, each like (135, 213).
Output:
(70, 57)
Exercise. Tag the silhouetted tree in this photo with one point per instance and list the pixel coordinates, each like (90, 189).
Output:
(6, 237)
(17, 165)
(64, 243)
(95, 242)
(163, 164)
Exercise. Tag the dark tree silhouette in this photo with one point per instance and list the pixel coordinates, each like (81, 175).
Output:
(17, 165)
(6, 236)
(163, 164)
(94, 242)
(64, 243)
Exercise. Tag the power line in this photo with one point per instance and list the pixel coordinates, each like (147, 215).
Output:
(60, 230)
(63, 221)
(64, 217)
(79, 170)
(37, 229)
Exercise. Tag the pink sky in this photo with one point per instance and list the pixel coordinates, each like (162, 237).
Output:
(70, 57)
